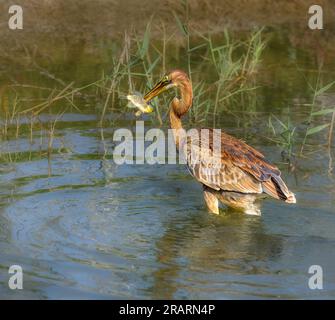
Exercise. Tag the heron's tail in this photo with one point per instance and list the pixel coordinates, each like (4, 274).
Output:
(276, 188)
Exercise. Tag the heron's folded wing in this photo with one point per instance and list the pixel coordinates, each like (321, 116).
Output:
(235, 167)
(218, 173)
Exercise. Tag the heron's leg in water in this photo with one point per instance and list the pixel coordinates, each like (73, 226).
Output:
(211, 200)
(246, 203)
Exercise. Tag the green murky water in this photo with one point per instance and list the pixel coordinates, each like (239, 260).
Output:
(82, 227)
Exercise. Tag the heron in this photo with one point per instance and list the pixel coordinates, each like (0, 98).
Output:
(243, 176)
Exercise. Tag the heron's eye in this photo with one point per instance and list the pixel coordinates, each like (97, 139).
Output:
(165, 78)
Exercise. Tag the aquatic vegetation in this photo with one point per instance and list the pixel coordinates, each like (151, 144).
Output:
(223, 69)
(285, 134)
(318, 91)
(234, 63)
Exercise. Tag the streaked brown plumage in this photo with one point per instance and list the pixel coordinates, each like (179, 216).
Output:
(238, 174)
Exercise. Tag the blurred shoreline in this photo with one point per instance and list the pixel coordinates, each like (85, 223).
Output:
(55, 27)
(111, 18)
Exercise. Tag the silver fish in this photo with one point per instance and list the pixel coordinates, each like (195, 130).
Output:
(137, 101)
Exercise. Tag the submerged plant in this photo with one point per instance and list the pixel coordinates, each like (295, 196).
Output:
(311, 130)
(234, 63)
(134, 66)
(284, 134)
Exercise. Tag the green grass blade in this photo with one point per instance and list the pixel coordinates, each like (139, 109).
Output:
(323, 112)
(316, 129)
(324, 89)
(182, 26)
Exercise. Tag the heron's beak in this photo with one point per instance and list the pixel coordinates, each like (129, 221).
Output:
(160, 87)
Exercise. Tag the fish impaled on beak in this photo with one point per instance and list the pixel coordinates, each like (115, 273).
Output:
(137, 101)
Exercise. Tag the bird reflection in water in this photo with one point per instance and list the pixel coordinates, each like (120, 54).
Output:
(224, 246)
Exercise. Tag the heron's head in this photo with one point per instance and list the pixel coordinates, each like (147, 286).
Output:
(175, 78)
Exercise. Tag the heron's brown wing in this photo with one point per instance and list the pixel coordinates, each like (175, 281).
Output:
(236, 167)
(220, 175)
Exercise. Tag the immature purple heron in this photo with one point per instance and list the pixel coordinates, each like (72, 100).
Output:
(243, 174)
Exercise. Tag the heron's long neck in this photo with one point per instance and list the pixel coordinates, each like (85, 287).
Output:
(179, 107)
